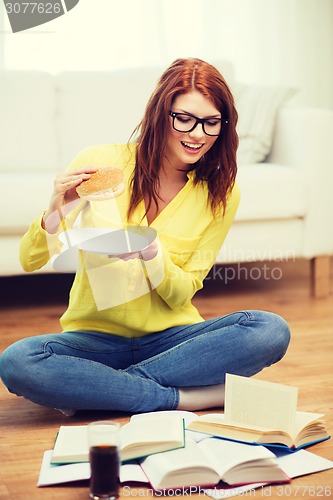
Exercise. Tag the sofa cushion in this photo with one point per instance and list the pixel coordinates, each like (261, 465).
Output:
(27, 121)
(270, 191)
(23, 197)
(264, 240)
(257, 107)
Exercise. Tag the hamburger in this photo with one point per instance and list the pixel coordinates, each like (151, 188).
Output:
(104, 184)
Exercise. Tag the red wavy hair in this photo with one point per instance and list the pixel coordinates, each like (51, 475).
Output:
(218, 166)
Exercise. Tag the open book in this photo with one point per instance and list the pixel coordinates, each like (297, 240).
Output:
(210, 461)
(138, 439)
(262, 412)
(293, 464)
(203, 463)
(297, 464)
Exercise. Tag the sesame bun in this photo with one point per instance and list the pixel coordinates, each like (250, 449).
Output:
(104, 184)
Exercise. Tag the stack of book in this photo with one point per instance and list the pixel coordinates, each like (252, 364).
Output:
(257, 441)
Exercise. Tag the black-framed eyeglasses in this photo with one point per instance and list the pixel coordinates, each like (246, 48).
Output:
(185, 122)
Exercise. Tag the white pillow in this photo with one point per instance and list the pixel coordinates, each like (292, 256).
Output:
(257, 107)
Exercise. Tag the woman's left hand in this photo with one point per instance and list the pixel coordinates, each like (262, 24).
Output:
(147, 253)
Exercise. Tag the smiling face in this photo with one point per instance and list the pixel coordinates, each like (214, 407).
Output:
(186, 148)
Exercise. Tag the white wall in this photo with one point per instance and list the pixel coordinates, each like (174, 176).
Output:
(277, 42)
(285, 42)
(2, 36)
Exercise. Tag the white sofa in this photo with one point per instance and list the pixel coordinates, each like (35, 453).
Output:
(286, 209)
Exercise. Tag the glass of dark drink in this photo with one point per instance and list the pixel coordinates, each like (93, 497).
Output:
(104, 441)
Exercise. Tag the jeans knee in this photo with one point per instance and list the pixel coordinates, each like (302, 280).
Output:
(272, 333)
(285, 333)
(279, 334)
(7, 360)
(14, 371)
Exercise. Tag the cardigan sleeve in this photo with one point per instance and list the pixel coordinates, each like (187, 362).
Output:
(37, 245)
(176, 282)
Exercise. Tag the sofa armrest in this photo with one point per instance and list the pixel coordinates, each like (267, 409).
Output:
(304, 140)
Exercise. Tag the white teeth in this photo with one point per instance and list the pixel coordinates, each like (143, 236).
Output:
(192, 146)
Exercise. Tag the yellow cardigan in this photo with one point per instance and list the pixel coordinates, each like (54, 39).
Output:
(134, 298)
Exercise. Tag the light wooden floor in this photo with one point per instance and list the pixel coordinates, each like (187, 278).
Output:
(27, 429)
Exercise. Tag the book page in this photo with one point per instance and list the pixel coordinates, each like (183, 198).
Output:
(256, 402)
(163, 430)
(72, 441)
(132, 472)
(71, 444)
(302, 462)
(58, 474)
(188, 416)
(224, 455)
(293, 464)
(304, 418)
(177, 468)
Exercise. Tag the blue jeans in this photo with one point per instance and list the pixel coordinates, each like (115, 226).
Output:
(89, 370)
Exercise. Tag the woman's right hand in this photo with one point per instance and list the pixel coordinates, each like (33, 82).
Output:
(64, 195)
